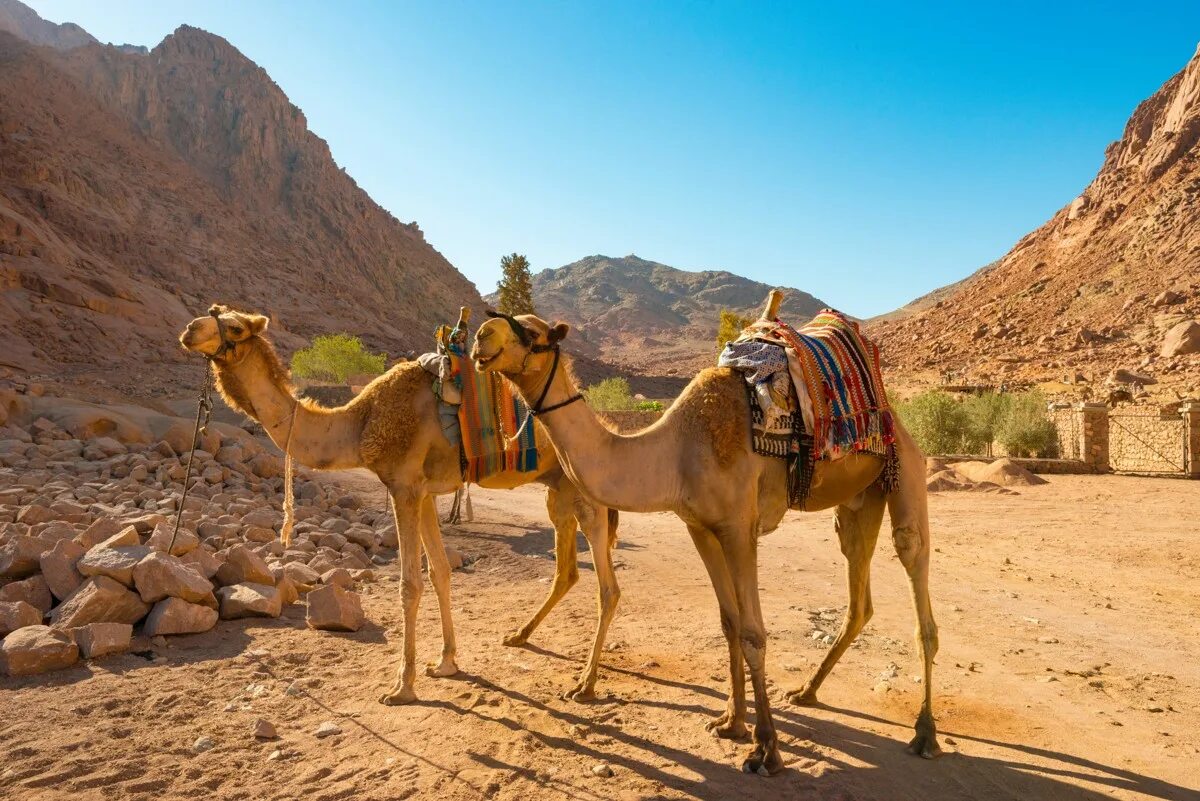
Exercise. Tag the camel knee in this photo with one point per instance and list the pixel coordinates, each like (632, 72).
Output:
(410, 590)
(754, 649)
(927, 637)
(911, 545)
(609, 596)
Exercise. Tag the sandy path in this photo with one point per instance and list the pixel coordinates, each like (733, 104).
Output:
(1068, 617)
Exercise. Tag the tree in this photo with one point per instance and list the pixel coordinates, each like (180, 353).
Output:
(936, 421)
(610, 395)
(986, 414)
(1026, 430)
(730, 327)
(336, 357)
(515, 286)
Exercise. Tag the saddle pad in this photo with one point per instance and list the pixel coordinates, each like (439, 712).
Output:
(490, 413)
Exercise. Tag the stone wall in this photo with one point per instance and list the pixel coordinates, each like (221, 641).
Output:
(1148, 442)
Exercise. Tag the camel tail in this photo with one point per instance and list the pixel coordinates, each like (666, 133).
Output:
(613, 518)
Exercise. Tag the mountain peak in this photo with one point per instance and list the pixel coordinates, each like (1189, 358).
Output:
(25, 23)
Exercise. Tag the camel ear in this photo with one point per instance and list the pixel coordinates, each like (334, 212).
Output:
(256, 323)
(557, 333)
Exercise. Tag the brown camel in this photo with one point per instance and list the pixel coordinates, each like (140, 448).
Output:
(392, 429)
(697, 461)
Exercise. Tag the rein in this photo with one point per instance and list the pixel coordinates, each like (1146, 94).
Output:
(537, 409)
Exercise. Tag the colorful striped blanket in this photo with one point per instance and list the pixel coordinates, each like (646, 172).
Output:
(491, 411)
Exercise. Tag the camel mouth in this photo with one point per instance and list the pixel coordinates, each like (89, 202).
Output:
(484, 361)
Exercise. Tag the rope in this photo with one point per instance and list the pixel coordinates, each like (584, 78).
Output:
(203, 409)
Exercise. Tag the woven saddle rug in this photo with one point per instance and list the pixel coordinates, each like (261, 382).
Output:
(839, 390)
(490, 413)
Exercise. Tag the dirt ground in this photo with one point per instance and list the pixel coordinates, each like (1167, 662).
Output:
(1067, 670)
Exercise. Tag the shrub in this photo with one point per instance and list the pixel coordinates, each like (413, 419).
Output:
(730, 327)
(1026, 430)
(610, 395)
(336, 357)
(649, 406)
(936, 420)
(985, 415)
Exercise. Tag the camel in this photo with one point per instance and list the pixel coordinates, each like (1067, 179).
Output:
(392, 429)
(697, 461)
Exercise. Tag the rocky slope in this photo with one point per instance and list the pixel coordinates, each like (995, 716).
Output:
(1099, 286)
(135, 189)
(649, 317)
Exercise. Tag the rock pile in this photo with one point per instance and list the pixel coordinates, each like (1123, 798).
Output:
(86, 524)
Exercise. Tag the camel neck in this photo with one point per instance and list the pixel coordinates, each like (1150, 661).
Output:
(608, 467)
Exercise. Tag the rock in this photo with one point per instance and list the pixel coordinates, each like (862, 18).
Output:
(160, 575)
(116, 563)
(185, 541)
(177, 616)
(301, 573)
(249, 600)
(58, 568)
(264, 730)
(262, 518)
(332, 608)
(243, 565)
(339, 577)
(100, 531)
(34, 514)
(456, 558)
(328, 729)
(126, 537)
(1122, 375)
(203, 744)
(33, 591)
(1182, 340)
(21, 557)
(1167, 298)
(204, 562)
(258, 534)
(289, 593)
(101, 639)
(37, 649)
(100, 598)
(17, 615)
(602, 769)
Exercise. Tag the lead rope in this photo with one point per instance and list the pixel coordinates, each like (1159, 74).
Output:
(289, 499)
(203, 410)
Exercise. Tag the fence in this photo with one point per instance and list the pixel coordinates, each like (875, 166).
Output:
(1148, 443)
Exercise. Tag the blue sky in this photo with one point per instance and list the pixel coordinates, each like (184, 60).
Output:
(866, 153)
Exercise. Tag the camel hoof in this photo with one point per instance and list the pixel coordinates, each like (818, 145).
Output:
(581, 694)
(803, 697)
(516, 640)
(398, 697)
(727, 729)
(764, 759)
(447, 668)
(925, 745)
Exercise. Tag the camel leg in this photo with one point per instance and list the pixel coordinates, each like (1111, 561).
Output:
(910, 535)
(439, 576)
(601, 537)
(566, 570)
(406, 509)
(741, 555)
(732, 724)
(857, 526)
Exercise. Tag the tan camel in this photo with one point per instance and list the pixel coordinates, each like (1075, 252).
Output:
(392, 429)
(697, 461)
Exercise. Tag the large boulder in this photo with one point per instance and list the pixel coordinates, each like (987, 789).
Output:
(116, 563)
(33, 591)
(101, 639)
(58, 568)
(17, 615)
(301, 573)
(331, 608)
(177, 616)
(1182, 339)
(1123, 375)
(185, 541)
(161, 575)
(243, 565)
(21, 557)
(249, 600)
(99, 599)
(99, 531)
(37, 649)
(203, 562)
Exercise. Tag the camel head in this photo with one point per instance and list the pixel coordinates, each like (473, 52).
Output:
(515, 346)
(221, 341)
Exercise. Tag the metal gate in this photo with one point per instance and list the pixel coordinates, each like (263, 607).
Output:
(1147, 443)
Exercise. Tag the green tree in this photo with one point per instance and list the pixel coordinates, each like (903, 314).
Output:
(985, 415)
(515, 286)
(1026, 429)
(610, 395)
(936, 420)
(336, 357)
(730, 327)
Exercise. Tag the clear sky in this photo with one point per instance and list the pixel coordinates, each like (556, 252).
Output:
(865, 152)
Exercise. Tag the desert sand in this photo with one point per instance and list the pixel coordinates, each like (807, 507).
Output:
(1067, 670)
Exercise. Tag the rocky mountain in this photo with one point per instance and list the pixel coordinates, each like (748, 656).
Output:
(1098, 287)
(138, 188)
(649, 317)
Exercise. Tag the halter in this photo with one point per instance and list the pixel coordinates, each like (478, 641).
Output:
(536, 410)
(226, 345)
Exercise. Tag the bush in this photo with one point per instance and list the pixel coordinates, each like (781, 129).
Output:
(649, 406)
(936, 420)
(610, 395)
(1026, 430)
(336, 357)
(730, 327)
(985, 415)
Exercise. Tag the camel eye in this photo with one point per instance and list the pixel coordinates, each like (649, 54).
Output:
(237, 329)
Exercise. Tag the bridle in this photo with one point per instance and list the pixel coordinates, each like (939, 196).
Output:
(537, 409)
(226, 345)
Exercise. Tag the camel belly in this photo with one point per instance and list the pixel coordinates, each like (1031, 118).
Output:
(835, 483)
